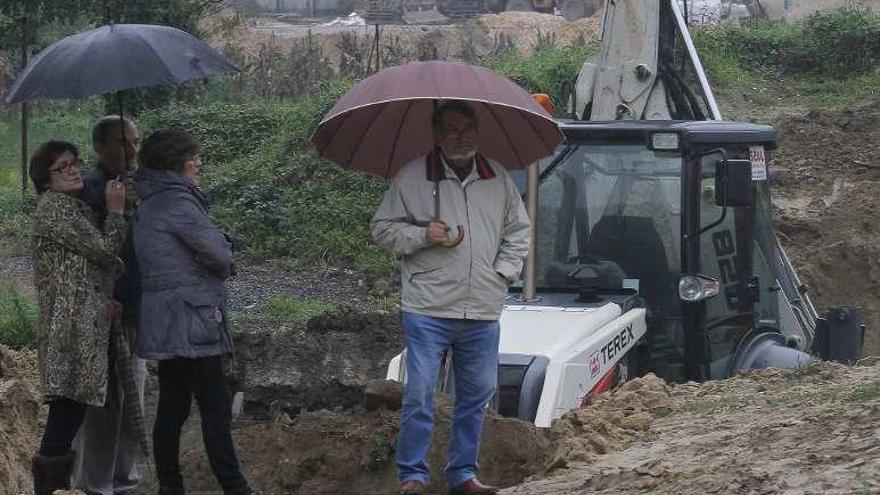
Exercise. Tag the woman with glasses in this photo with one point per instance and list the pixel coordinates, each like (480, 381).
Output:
(75, 265)
(183, 258)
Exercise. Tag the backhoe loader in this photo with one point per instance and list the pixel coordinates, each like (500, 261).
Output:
(653, 247)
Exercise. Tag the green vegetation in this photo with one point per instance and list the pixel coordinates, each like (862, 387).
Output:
(549, 70)
(830, 59)
(866, 392)
(18, 318)
(275, 196)
(286, 309)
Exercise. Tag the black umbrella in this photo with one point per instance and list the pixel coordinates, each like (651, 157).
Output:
(114, 58)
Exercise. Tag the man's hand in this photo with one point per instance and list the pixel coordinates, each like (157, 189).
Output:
(114, 192)
(131, 198)
(436, 233)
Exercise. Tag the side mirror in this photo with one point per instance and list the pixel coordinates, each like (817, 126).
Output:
(733, 183)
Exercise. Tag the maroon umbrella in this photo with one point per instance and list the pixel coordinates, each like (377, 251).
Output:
(385, 120)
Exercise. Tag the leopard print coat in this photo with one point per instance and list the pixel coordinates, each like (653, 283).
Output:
(75, 266)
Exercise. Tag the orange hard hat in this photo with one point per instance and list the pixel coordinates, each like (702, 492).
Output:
(546, 103)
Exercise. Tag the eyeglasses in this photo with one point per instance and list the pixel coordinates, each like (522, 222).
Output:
(66, 166)
(469, 130)
(198, 161)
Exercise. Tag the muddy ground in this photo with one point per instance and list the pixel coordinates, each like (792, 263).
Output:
(812, 431)
(827, 203)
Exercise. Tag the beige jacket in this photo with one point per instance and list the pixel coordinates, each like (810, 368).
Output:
(470, 280)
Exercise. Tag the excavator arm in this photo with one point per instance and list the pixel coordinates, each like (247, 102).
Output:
(646, 68)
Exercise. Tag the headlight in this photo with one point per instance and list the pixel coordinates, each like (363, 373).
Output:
(693, 288)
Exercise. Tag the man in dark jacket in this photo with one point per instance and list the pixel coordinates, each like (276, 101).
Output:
(107, 444)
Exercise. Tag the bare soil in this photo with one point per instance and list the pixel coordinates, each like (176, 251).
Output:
(19, 412)
(827, 207)
(478, 36)
(812, 431)
(352, 452)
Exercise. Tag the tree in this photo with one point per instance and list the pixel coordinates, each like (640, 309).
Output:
(20, 24)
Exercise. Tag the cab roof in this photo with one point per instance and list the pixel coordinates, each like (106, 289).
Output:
(691, 132)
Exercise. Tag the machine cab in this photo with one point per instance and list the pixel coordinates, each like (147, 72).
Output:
(677, 212)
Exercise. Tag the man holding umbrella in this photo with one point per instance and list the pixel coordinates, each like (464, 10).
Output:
(453, 289)
(106, 443)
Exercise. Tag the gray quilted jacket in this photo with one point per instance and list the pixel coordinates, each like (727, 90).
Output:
(183, 259)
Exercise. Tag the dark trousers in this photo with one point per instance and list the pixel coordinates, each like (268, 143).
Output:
(179, 380)
(65, 418)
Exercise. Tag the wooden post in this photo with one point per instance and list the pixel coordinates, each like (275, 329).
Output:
(378, 55)
(24, 110)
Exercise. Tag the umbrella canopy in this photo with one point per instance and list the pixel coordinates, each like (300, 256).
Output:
(385, 120)
(116, 57)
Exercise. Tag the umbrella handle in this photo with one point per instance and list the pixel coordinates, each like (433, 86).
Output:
(451, 243)
(448, 243)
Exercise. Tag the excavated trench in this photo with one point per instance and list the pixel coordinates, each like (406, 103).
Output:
(321, 419)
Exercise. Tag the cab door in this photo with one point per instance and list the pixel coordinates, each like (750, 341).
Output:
(719, 244)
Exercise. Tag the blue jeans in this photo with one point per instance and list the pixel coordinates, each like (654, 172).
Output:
(474, 346)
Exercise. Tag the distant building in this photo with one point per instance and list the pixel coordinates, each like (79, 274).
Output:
(306, 8)
(799, 9)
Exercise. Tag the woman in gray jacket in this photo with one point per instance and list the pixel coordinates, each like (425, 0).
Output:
(183, 259)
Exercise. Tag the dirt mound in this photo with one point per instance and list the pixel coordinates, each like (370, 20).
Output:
(786, 432)
(288, 370)
(340, 45)
(526, 28)
(608, 423)
(827, 207)
(19, 410)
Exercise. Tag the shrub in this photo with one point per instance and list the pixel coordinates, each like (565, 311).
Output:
(833, 43)
(19, 315)
(842, 41)
(549, 70)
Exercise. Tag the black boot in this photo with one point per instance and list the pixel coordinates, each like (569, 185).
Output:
(51, 473)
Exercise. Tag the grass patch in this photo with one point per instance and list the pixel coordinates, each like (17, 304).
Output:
(286, 309)
(711, 406)
(867, 392)
(19, 316)
(15, 222)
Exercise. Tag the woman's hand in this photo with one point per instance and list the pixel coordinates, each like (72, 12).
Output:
(114, 193)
